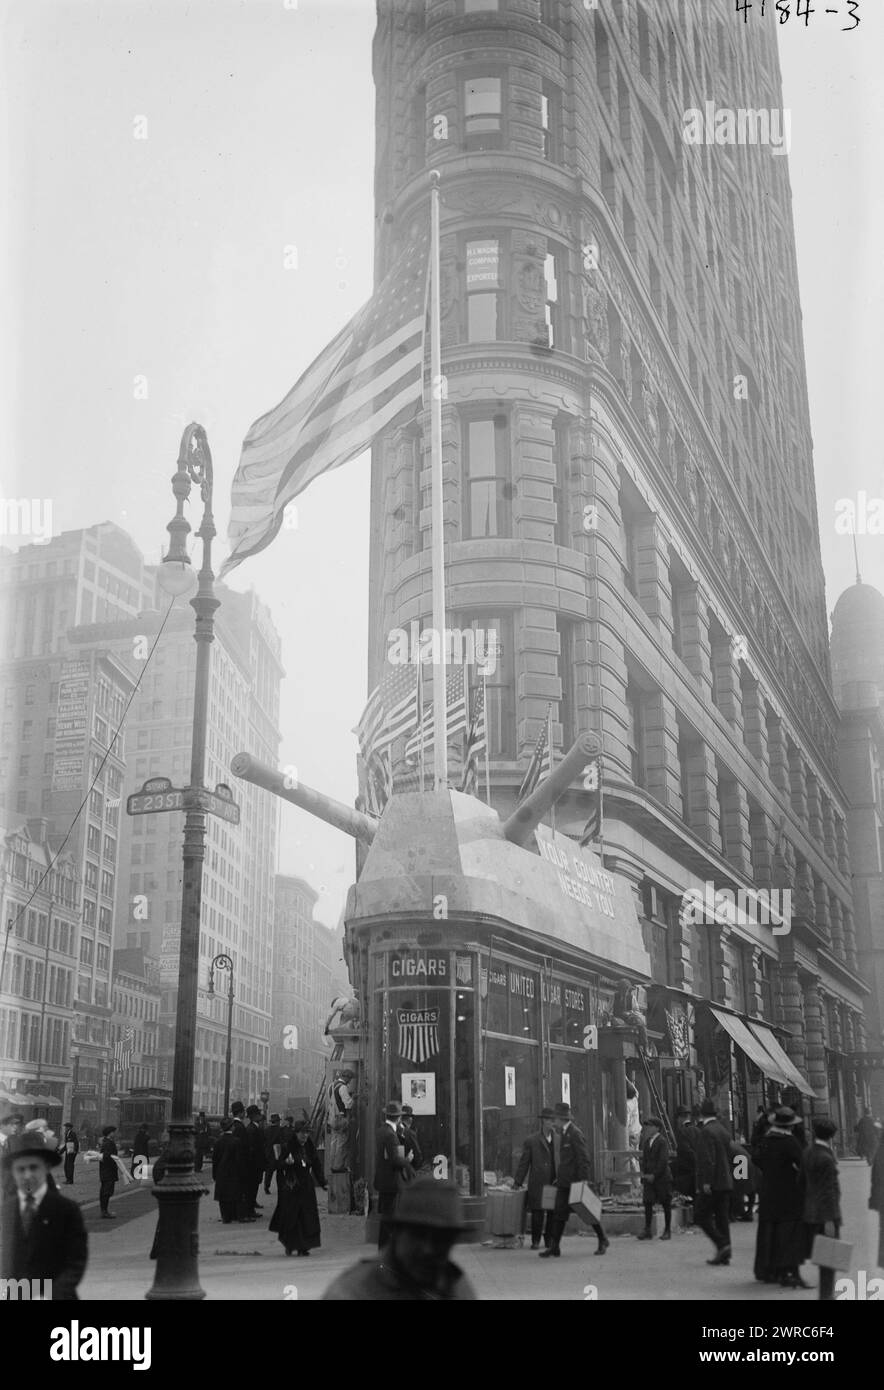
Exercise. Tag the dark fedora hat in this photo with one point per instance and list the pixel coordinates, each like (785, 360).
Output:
(708, 1107)
(108, 1131)
(785, 1116)
(392, 1110)
(407, 1110)
(431, 1202)
(547, 1113)
(653, 1120)
(254, 1110)
(24, 1145)
(562, 1110)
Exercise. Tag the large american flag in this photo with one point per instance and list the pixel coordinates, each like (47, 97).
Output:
(371, 371)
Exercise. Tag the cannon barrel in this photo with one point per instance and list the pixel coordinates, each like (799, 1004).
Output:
(528, 816)
(335, 813)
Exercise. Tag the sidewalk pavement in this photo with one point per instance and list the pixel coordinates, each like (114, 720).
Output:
(240, 1262)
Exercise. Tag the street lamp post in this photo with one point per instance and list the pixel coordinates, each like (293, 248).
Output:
(225, 962)
(176, 1243)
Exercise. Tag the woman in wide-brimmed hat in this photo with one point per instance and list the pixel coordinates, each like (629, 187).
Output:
(780, 1243)
(296, 1219)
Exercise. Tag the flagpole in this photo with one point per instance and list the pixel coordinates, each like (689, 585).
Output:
(420, 720)
(549, 744)
(487, 737)
(440, 694)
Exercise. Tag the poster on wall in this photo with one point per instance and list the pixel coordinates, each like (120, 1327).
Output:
(419, 1091)
(509, 1085)
(566, 1088)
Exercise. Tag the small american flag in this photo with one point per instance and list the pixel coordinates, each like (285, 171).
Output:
(592, 783)
(456, 715)
(390, 711)
(477, 739)
(123, 1049)
(541, 760)
(369, 372)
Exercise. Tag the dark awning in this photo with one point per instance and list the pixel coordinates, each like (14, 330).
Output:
(782, 1059)
(753, 1048)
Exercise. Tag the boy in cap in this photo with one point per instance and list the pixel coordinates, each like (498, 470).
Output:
(414, 1264)
(44, 1238)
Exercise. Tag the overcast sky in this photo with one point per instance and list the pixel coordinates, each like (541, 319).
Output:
(158, 263)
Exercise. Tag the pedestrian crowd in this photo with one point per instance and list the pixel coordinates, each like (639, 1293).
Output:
(791, 1177)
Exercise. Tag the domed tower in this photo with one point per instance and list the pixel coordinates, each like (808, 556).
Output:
(858, 647)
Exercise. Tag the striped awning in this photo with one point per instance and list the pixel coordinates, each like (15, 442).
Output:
(781, 1058)
(749, 1044)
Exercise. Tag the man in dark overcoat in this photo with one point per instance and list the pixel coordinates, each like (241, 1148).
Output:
(272, 1138)
(389, 1163)
(69, 1148)
(572, 1165)
(656, 1177)
(43, 1236)
(715, 1183)
(538, 1164)
(254, 1136)
(822, 1195)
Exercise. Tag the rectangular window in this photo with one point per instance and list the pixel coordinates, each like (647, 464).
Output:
(486, 473)
(483, 290)
(551, 121)
(568, 674)
(634, 734)
(91, 876)
(483, 113)
(500, 682)
(93, 839)
(552, 307)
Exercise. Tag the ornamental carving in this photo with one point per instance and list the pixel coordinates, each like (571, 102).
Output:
(530, 288)
(595, 315)
(490, 198)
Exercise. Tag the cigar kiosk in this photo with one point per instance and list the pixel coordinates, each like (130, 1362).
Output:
(484, 955)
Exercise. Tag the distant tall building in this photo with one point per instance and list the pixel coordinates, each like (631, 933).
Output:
(40, 920)
(629, 494)
(237, 910)
(308, 972)
(858, 677)
(69, 620)
(60, 709)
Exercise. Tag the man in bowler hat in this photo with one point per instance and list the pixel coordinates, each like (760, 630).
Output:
(572, 1165)
(389, 1162)
(414, 1264)
(538, 1164)
(43, 1236)
(656, 1177)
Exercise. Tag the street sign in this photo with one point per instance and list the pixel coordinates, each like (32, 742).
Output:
(158, 794)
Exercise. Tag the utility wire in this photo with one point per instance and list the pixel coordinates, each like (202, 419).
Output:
(13, 921)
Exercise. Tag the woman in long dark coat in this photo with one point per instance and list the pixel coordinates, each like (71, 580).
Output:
(296, 1219)
(780, 1244)
(876, 1197)
(228, 1170)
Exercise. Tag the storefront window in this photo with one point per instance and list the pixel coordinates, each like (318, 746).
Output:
(511, 1089)
(427, 1035)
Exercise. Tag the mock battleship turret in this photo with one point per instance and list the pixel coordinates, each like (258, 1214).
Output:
(484, 953)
